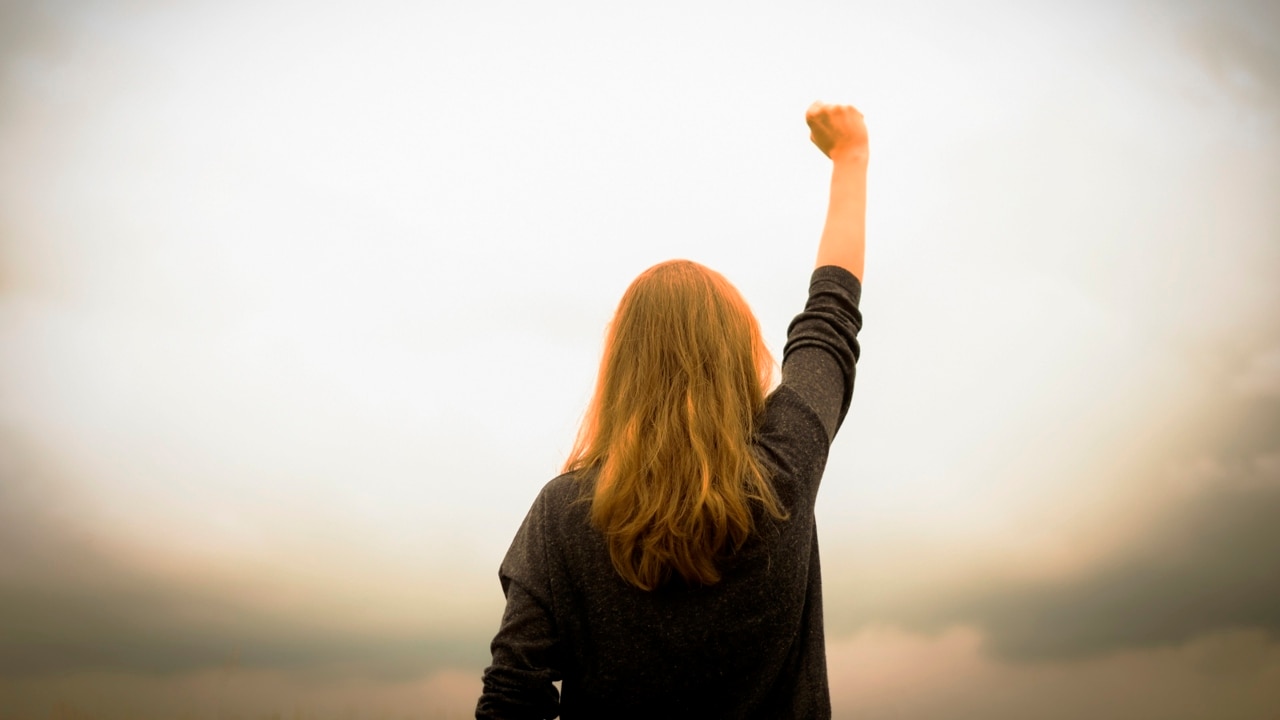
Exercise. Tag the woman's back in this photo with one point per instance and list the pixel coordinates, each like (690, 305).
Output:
(748, 646)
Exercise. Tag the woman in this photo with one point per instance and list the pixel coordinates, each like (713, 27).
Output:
(672, 570)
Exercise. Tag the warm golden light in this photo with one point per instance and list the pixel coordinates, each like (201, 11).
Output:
(301, 305)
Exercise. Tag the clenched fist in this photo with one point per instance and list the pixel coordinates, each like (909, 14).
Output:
(838, 131)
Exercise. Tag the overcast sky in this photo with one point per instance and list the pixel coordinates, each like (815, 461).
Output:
(301, 303)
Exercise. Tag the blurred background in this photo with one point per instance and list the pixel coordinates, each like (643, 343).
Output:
(301, 303)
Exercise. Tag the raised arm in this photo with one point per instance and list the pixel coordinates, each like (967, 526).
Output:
(839, 132)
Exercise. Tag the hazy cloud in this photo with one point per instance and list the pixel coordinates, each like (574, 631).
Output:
(69, 605)
(232, 691)
(1208, 563)
(1215, 567)
(884, 672)
(1262, 375)
(1238, 43)
(24, 25)
(132, 623)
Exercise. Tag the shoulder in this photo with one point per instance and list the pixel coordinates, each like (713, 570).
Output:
(545, 531)
(563, 489)
(792, 440)
(563, 502)
(557, 536)
(791, 426)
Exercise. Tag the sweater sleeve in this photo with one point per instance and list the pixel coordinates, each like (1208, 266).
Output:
(519, 682)
(821, 354)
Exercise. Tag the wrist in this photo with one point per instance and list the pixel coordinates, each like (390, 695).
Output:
(855, 157)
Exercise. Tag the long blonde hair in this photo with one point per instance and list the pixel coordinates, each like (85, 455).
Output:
(669, 428)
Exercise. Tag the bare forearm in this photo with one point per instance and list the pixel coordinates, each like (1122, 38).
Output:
(843, 240)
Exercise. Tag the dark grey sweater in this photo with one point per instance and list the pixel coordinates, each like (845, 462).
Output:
(748, 647)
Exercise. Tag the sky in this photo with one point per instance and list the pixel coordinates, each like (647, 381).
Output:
(301, 305)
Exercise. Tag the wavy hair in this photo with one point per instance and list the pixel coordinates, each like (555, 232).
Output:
(669, 428)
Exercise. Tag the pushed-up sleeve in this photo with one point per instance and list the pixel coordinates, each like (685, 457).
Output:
(821, 354)
(519, 682)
